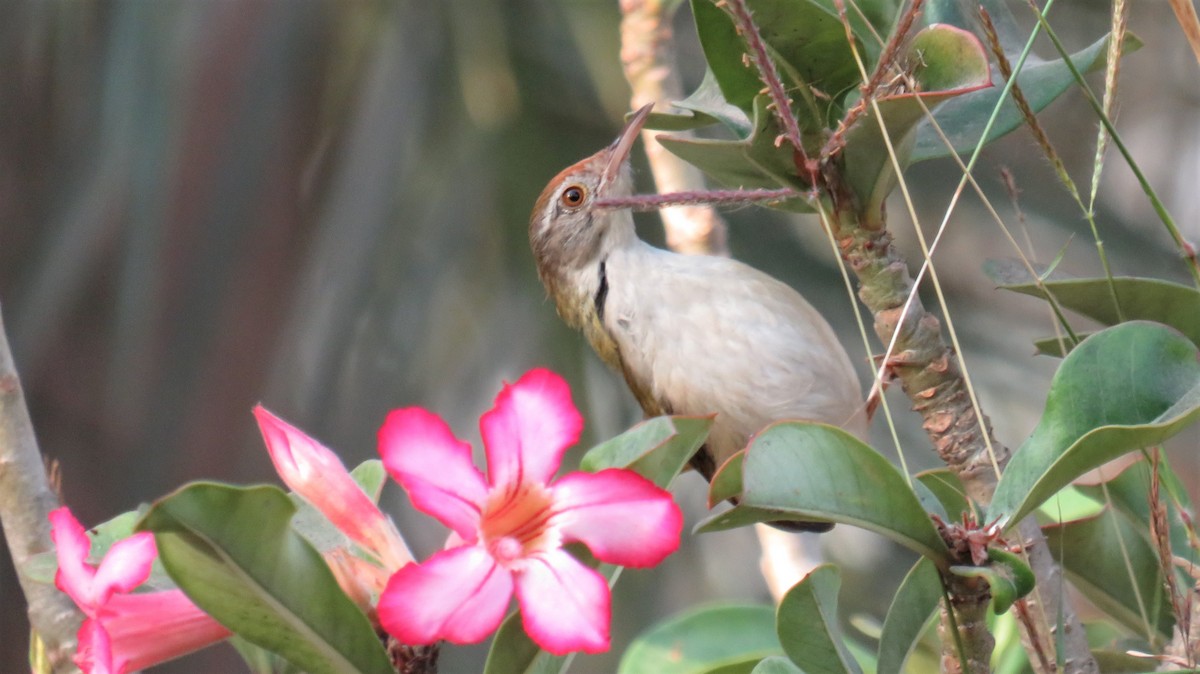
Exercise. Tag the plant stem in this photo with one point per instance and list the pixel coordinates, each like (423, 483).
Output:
(647, 57)
(26, 500)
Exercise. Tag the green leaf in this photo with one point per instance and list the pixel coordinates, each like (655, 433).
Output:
(727, 481)
(233, 552)
(657, 449)
(963, 119)
(914, 605)
(949, 490)
(1141, 299)
(776, 664)
(1093, 553)
(260, 660)
(1129, 494)
(807, 624)
(704, 640)
(808, 44)
(1008, 577)
(751, 163)
(804, 471)
(705, 107)
(513, 652)
(954, 64)
(1124, 388)
(370, 476)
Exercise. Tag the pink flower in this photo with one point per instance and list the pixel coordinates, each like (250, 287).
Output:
(124, 632)
(513, 524)
(317, 474)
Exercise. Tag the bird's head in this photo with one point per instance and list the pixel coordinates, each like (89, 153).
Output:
(566, 231)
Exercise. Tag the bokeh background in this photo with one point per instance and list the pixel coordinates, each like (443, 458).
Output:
(322, 206)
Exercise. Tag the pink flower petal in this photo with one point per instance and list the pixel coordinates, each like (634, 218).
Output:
(317, 474)
(149, 628)
(565, 606)
(531, 425)
(622, 517)
(434, 467)
(93, 654)
(459, 595)
(71, 544)
(126, 565)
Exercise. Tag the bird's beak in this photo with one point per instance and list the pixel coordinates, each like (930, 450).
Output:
(618, 152)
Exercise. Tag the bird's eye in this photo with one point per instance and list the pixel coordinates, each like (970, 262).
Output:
(573, 196)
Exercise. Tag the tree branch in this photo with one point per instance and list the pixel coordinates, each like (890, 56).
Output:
(26, 500)
(647, 57)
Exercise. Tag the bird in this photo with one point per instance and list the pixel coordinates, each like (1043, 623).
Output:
(691, 334)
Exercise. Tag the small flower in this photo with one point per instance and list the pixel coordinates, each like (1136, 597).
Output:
(124, 632)
(513, 524)
(317, 474)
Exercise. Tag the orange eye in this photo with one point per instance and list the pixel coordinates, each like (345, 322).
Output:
(573, 196)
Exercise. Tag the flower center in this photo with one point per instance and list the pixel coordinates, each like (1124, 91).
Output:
(516, 523)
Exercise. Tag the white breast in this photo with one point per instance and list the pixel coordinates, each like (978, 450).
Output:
(714, 335)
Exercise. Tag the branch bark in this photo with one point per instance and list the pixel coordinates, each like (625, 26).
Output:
(930, 376)
(26, 500)
(648, 59)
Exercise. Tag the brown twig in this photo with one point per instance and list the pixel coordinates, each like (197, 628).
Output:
(769, 74)
(26, 500)
(650, 202)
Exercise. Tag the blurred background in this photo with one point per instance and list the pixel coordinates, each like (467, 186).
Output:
(322, 206)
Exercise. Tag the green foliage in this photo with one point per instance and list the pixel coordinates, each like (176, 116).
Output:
(1127, 387)
(657, 449)
(720, 638)
(806, 471)
(233, 552)
(912, 608)
(1139, 298)
(962, 120)
(1115, 566)
(513, 652)
(807, 624)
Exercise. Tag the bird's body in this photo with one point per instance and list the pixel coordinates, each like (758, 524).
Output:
(692, 335)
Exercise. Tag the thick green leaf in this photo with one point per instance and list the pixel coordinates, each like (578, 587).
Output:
(233, 552)
(1141, 299)
(721, 637)
(963, 119)
(948, 489)
(912, 608)
(948, 62)
(1056, 346)
(804, 471)
(776, 664)
(807, 624)
(370, 476)
(1124, 388)
(726, 483)
(513, 652)
(752, 163)
(1129, 494)
(1093, 551)
(261, 661)
(965, 15)
(808, 44)
(705, 107)
(657, 449)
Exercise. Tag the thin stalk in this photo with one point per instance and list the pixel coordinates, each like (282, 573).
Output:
(1186, 249)
(1043, 141)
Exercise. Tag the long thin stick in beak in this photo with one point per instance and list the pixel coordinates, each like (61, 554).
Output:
(619, 150)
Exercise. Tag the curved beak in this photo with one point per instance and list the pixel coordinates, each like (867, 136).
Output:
(618, 152)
